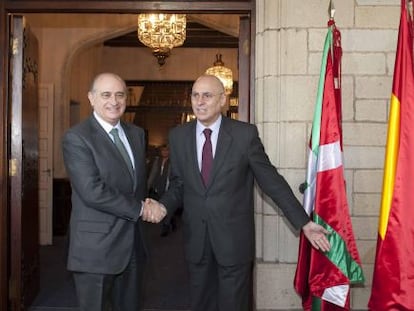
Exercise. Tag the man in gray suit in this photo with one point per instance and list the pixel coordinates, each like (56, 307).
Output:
(218, 210)
(105, 161)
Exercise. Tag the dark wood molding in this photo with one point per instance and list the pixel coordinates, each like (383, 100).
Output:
(87, 6)
(252, 66)
(4, 237)
(244, 68)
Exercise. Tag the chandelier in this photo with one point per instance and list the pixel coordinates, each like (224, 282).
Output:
(223, 73)
(161, 33)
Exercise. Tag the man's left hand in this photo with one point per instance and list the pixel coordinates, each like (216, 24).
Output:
(316, 234)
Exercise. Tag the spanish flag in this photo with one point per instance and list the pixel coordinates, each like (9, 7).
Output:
(393, 279)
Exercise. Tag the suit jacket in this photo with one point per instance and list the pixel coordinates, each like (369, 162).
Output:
(224, 209)
(106, 199)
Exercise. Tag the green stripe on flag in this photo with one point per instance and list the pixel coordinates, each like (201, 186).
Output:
(316, 303)
(339, 255)
(316, 126)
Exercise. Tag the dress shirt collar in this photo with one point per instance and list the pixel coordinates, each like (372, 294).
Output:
(107, 126)
(214, 127)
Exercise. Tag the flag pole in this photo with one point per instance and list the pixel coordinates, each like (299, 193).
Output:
(331, 9)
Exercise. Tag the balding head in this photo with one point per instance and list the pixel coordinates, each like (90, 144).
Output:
(107, 96)
(213, 80)
(105, 75)
(208, 99)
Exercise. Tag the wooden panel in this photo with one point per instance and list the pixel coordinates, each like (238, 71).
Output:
(244, 69)
(60, 1)
(97, 6)
(24, 211)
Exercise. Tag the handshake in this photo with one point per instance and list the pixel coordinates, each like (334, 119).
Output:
(153, 211)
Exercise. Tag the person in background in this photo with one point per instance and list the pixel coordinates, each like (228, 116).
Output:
(105, 161)
(158, 182)
(214, 163)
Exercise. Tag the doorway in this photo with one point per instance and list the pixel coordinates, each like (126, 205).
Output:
(243, 8)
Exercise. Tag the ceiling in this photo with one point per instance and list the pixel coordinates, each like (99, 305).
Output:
(198, 36)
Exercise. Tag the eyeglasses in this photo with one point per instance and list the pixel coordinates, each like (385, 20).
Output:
(204, 96)
(108, 95)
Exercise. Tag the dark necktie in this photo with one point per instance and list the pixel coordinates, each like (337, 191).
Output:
(207, 157)
(122, 150)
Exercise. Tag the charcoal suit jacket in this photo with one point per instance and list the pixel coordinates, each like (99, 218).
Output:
(224, 209)
(106, 199)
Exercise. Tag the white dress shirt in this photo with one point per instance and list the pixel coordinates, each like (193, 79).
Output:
(108, 127)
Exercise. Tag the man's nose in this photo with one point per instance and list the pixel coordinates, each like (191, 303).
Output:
(199, 100)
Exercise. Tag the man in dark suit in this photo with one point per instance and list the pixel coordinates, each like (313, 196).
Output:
(218, 210)
(106, 168)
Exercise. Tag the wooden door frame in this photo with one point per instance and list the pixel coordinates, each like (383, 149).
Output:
(4, 147)
(86, 6)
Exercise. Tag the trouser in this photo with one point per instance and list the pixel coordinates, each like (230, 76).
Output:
(104, 292)
(215, 287)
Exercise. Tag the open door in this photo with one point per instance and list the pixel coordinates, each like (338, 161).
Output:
(24, 154)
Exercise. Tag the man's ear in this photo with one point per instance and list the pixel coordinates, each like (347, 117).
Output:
(223, 100)
(90, 97)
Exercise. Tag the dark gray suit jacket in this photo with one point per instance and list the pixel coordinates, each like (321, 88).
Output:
(226, 205)
(106, 199)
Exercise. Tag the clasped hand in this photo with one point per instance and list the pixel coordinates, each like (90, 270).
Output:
(153, 211)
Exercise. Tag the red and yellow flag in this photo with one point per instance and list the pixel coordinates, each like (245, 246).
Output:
(323, 279)
(393, 279)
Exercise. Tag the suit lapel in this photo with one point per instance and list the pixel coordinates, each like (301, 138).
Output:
(191, 149)
(136, 145)
(102, 136)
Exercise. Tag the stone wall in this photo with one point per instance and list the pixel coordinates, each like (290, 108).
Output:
(289, 42)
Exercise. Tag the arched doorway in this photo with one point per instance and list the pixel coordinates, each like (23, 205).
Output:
(246, 64)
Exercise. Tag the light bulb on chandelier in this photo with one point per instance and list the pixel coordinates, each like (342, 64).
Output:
(223, 73)
(162, 32)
